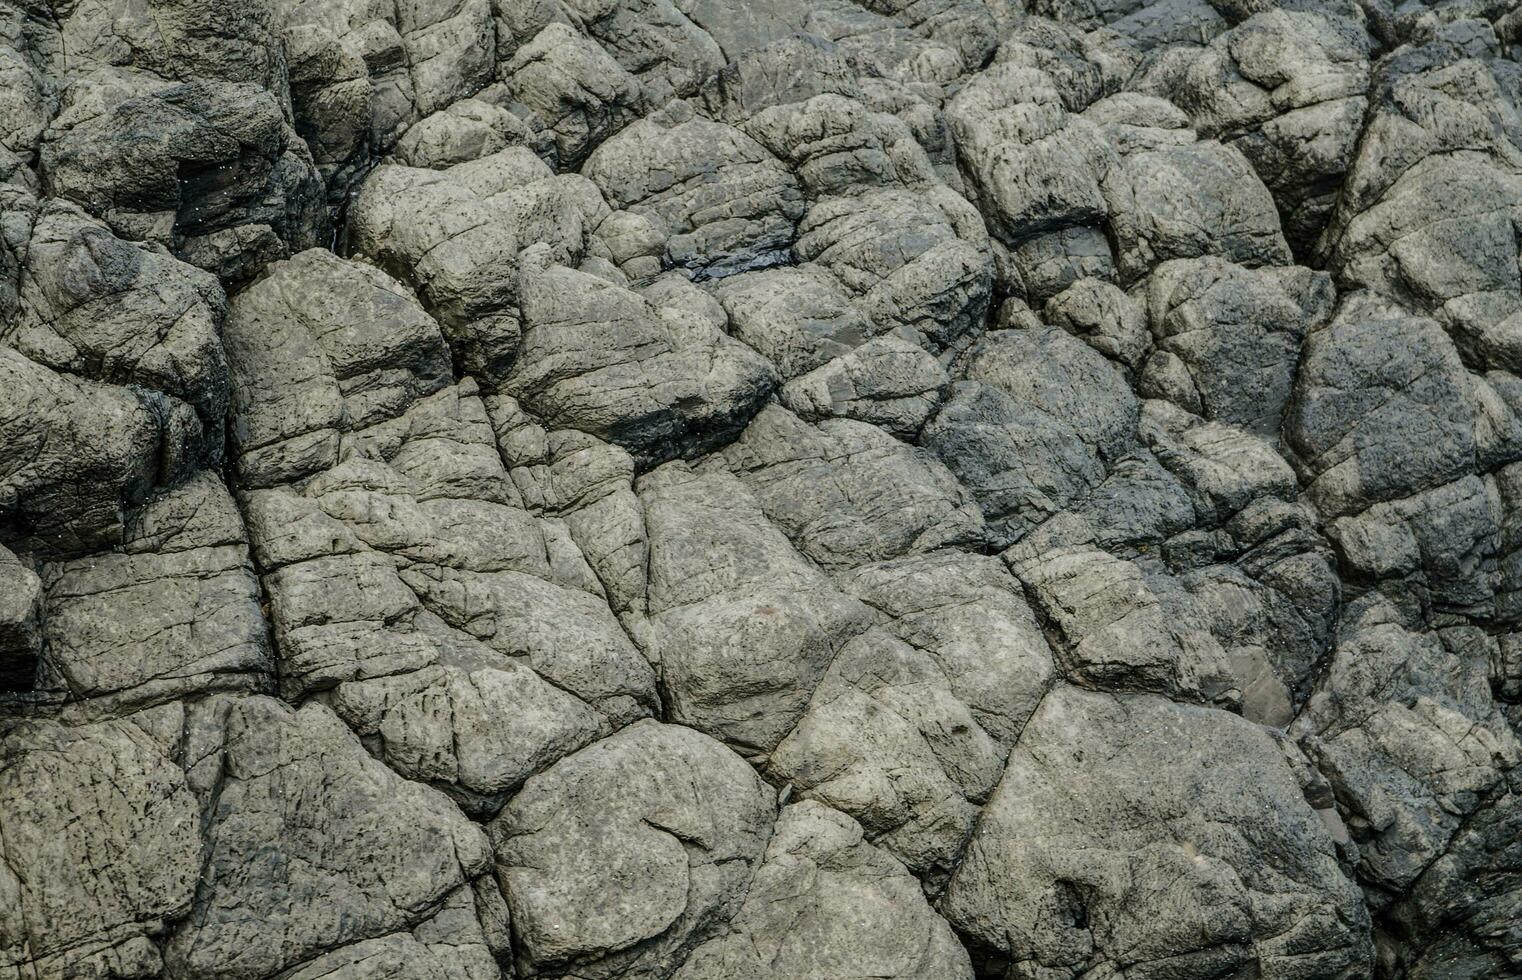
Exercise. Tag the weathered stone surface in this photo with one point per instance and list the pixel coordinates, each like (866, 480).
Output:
(620, 858)
(687, 489)
(725, 202)
(847, 493)
(671, 385)
(817, 871)
(1138, 833)
(177, 612)
(20, 623)
(312, 844)
(98, 811)
(1033, 426)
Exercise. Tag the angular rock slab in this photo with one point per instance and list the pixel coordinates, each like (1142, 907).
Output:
(620, 858)
(100, 840)
(311, 844)
(819, 873)
(1134, 834)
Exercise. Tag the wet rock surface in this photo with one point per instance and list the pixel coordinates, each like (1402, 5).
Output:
(701, 489)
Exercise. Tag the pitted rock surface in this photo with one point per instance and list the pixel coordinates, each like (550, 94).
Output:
(760, 489)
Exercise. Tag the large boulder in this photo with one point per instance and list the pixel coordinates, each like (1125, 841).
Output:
(1133, 833)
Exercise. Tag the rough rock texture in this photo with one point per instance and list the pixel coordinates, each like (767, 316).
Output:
(760, 489)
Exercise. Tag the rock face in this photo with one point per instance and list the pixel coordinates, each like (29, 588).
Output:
(760, 489)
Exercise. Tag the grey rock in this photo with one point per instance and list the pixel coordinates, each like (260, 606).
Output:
(1103, 316)
(1194, 200)
(101, 810)
(1120, 628)
(1428, 205)
(1034, 425)
(1390, 694)
(914, 264)
(20, 623)
(418, 59)
(175, 612)
(1288, 88)
(622, 857)
(818, 870)
(888, 382)
(682, 489)
(1237, 333)
(454, 235)
(725, 202)
(221, 156)
(672, 385)
(120, 312)
(467, 130)
(798, 317)
(1035, 168)
(580, 92)
(390, 853)
(376, 477)
(741, 626)
(909, 729)
(655, 40)
(64, 487)
(847, 493)
(1130, 830)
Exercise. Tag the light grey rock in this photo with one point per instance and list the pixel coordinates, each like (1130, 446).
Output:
(909, 729)
(29, 96)
(99, 307)
(891, 47)
(1104, 317)
(742, 627)
(1463, 910)
(847, 493)
(655, 40)
(914, 264)
(396, 499)
(64, 486)
(682, 489)
(454, 235)
(1288, 88)
(176, 612)
(380, 854)
(467, 130)
(1382, 409)
(726, 203)
(798, 317)
(1035, 167)
(1430, 195)
(1443, 542)
(1045, 265)
(818, 870)
(582, 94)
(101, 810)
(1133, 833)
(301, 376)
(1193, 200)
(418, 58)
(888, 382)
(621, 858)
(1121, 629)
